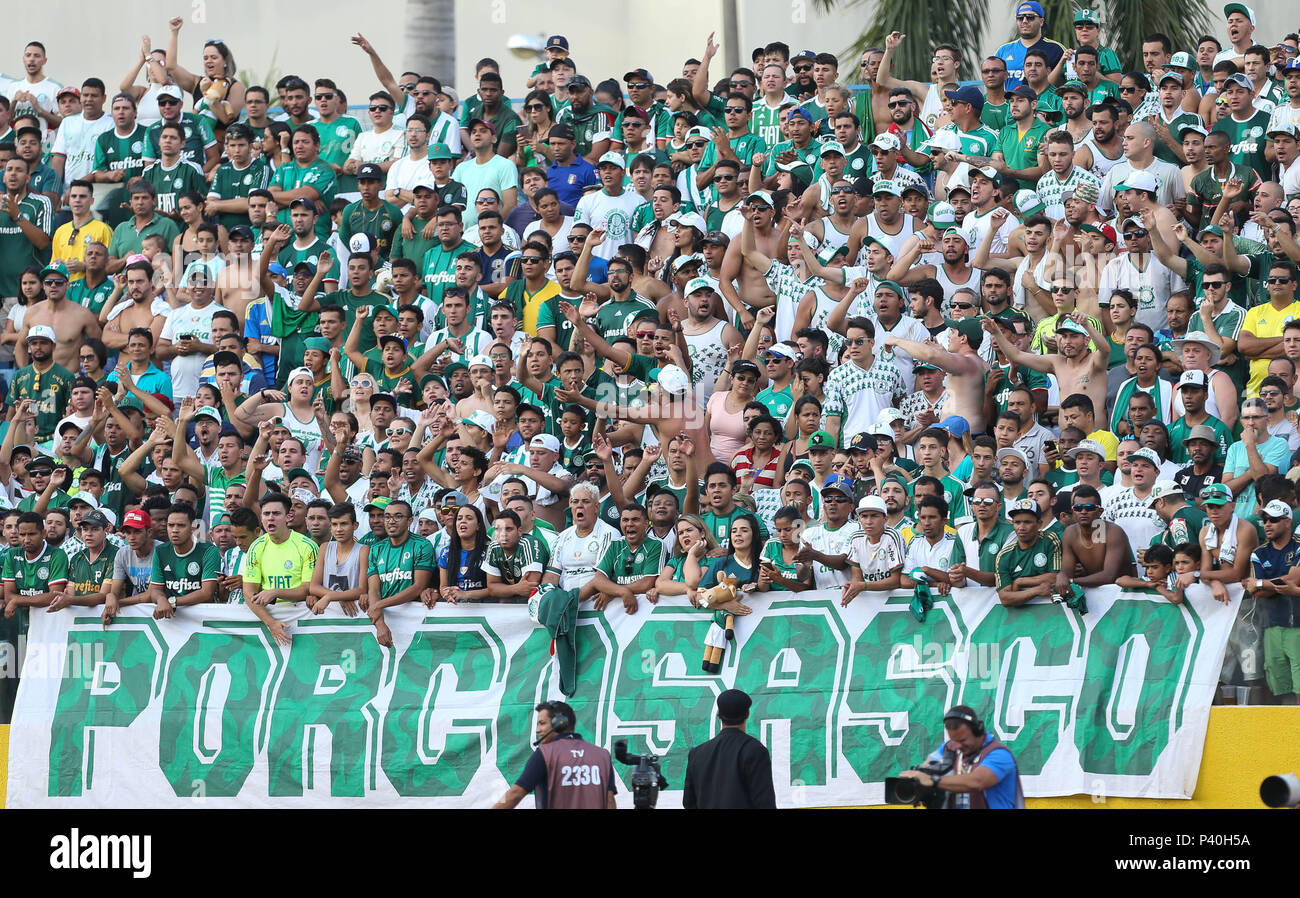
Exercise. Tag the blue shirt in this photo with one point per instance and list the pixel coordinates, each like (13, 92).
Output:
(257, 326)
(1013, 54)
(152, 381)
(1270, 562)
(569, 180)
(1003, 795)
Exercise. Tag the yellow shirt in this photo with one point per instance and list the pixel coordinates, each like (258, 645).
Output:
(69, 242)
(1108, 441)
(533, 304)
(1265, 321)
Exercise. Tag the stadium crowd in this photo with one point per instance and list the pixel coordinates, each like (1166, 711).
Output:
(1035, 330)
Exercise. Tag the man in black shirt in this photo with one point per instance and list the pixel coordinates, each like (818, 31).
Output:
(733, 769)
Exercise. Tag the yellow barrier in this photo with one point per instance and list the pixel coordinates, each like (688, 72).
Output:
(1242, 746)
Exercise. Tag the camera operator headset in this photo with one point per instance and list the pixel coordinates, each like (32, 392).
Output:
(984, 773)
(564, 771)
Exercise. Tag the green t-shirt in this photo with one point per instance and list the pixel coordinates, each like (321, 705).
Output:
(744, 146)
(382, 224)
(549, 315)
(172, 182)
(624, 565)
(291, 255)
(1014, 561)
(989, 547)
(598, 119)
(1207, 189)
(396, 565)
(85, 575)
(198, 137)
(778, 402)
(1176, 125)
(316, 175)
(1180, 428)
(1020, 151)
(92, 298)
(721, 524)
(1184, 527)
(50, 391)
(772, 552)
(438, 268)
(16, 251)
(58, 499)
(511, 568)
(181, 574)
(504, 121)
(415, 248)
(114, 152)
(35, 576)
(614, 316)
(350, 302)
(809, 156)
(230, 183)
(996, 115)
(336, 140)
(127, 240)
(1248, 141)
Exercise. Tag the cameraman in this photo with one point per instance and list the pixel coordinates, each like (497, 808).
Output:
(984, 773)
(565, 772)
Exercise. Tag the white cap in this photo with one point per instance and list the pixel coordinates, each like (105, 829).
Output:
(41, 332)
(889, 415)
(1012, 451)
(171, 90)
(544, 441)
(886, 141)
(1276, 509)
(300, 372)
(688, 220)
(612, 158)
(1140, 180)
(1192, 377)
(942, 140)
(872, 503)
(785, 350)
(305, 496)
(1092, 446)
(1161, 489)
(480, 418)
(429, 514)
(480, 360)
(694, 285)
(1147, 455)
(673, 380)
(684, 260)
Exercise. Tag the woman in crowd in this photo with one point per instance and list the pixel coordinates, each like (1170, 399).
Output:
(460, 563)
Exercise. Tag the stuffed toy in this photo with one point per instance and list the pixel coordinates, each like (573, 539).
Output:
(722, 600)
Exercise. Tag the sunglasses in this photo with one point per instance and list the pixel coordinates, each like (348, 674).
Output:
(54, 282)
(843, 188)
(857, 341)
(724, 177)
(738, 110)
(407, 87)
(963, 305)
(739, 84)
(1062, 289)
(1136, 232)
(1128, 90)
(534, 107)
(802, 69)
(1213, 284)
(878, 151)
(697, 144)
(1026, 18)
(640, 85)
(324, 96)
(530, 260)
(1270, 281)
(978, 501)
(1087, 507)
(381, 108)
(835, 500)
(423, 93)
(899, 105)
(397, 431)
(362, 383)
(989, 71)
(168, 101)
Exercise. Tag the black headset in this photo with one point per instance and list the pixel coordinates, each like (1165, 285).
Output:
(961, 714)
(560, 721)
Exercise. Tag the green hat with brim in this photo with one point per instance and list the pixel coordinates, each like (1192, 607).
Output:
(379, 503)
(1069, 324)
(1077, 87)
(320, 344)
(451, 369)
(969, 328)
(821, 439)
(1087, 17)
(55, 268)
(1216, 494)
(440, 151)
(892, 285)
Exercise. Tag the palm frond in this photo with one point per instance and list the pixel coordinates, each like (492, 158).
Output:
(1126, 22)
(925, 22)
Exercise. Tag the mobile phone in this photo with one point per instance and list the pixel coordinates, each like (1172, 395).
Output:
(1049, 445)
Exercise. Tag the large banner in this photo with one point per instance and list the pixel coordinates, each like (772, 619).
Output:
(206, 710)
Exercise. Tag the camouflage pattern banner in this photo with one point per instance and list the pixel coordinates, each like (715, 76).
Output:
(206, 710)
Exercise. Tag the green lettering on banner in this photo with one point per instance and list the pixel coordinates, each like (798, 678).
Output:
(793, 665)
(212, 702)
(1139, 657)
(663, 703)
(111, 692)
(325, 704)
(449, 669)
(526, 679)
(1018, 677)
(900, 683)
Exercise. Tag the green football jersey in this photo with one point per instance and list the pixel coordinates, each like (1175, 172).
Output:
(625, 565)
(383, 224)
(396, 565)
(1015, 561)
(1248, 142)
(87, 575)
(171, 182)
(181, 574)
(230, 183)
(316, 175)
(92, 298)
(113, 152)
(16, 251)
(336, 140)
(198, 137)
(49, 389)
(35, 576)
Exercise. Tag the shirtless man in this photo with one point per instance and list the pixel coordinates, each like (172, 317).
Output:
(961, 360)
(71, 322)
(1077, 370)
(1093, 552)
(137, 283)
(237, 282)
(752, 282)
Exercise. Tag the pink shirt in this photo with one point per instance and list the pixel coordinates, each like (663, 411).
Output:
(727, 435)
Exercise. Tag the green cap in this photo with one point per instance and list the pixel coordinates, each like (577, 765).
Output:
(1077, 86)
(298, 472)
(379, 503)
(820, 439)
(1216, 494)
(57, 268)
(893, 285)
(1087, 16)
(440, 151)
(449, 370)
(320, 344)
(969, 328)
(1212, 229)
(1069, 324)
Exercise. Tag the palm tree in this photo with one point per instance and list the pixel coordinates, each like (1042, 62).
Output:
(430, 27)
(962, 22)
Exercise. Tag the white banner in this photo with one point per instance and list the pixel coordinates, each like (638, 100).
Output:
(206, 710)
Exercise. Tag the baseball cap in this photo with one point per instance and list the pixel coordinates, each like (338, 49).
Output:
(1013, 452)
(612, 158)
(1077, 87)
(940, 140)
(886, 185)
(717, 238)
(1275, 510)
(443, 151)
(1181, 60)
(800, 112)
(1193, 378)
(638, 75)
(761, 196)
(277, 268)
(40, 332)
(393, 338)
(559, 130)
(889, 415)
(428, 514)
(821, 439)
(480, 418)
(872, 503)
(1106, 231)
(784, 350)
(544, 441)
(1216, 494)
(1024, 506)
(84, 498)
(956, 425)
(557, 41)
(580, 81)
(688, 220)
(688, 259)
(379, 503)
(942, 215)
(96, 518)
(733, 705)
(1172, 76)
(697, 284)
(1086, 191)
(831, 146)
(1024, 91)
(1161, 489)
(839, 483)
(170, 90)
(673, 380)
(1237, 80)
(746, 366)
(863, 442)
(305, 496)
(887, 141)
(1286, 127)
(986, 171)
(970, 329)
(1030, 6)
(1139, 180)
(1241, 8)
(971, 94)
(243, 231)
(371, 172)
(1087, 16)
(136, 519)
(1028, 203)
(1147, 455)
(896, 287)
(207, 411)
(1092, 446)
(480, 361)
(1069, 324)
(469, 126)
(1292, 65)
(55, 267)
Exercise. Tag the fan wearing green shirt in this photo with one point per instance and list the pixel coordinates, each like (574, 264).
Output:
(630, 565)
(438, 267)
(185, 572)
(34, 571)
(306, 177)
(1018, 153)
(241, 174)
(44, 383)
(371, 214)
(400, 569)
(90, 571)
(987, 535)
(1027, 567)
(338, 132)
(1246, 128)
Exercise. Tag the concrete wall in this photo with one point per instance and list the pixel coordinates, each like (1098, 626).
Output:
(657, 35)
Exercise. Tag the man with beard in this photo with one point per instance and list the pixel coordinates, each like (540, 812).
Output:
(630, 565)
(1074, 101)
(44, 383)
(979, 541)
(70, 323)
(1094, 552)
(1076, 369)
(1129, 505)
(1103, 149)
(1062, 175)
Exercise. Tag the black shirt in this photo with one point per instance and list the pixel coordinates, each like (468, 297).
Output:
(731, 770)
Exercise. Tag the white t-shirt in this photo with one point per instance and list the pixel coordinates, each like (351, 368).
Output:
(75, 140)
(185, 368)
(407, 174)
(44, 91)
(499, 173)
(575, 557)
(1150, 287)
(371, 146)
(921, 554)
(613, 213)
(561, 237)
(831, 542)
(877, 559)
